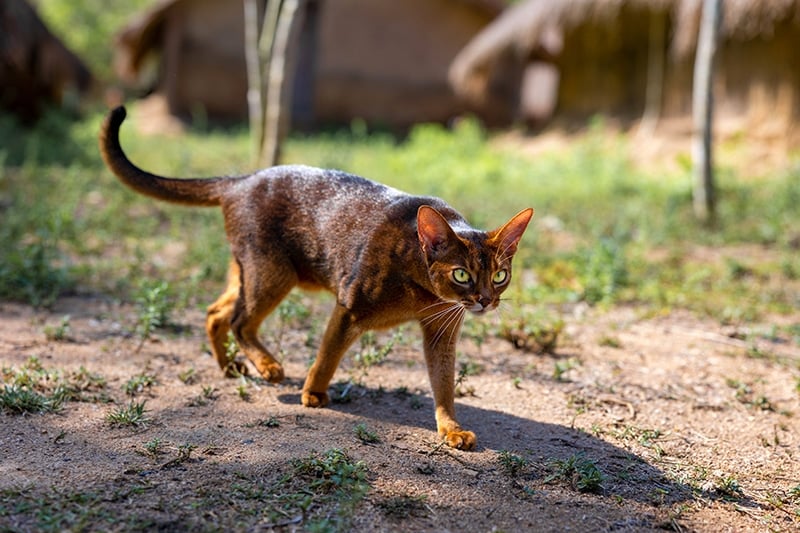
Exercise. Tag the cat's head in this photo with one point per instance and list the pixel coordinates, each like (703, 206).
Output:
(468, 266)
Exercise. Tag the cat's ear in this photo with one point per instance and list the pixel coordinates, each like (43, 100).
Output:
(507, 237)
(434, 232)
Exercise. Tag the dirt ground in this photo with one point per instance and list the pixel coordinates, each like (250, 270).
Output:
(693, 426)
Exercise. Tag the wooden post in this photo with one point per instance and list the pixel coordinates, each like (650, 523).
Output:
(280, 77)
(704, 197)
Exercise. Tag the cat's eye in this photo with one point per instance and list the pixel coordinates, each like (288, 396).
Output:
(461, 276)
(500, 277)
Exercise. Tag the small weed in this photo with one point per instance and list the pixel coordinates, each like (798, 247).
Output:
(728, 486)
(231, 348)
(208, 394)
(243, 392)
(561, 367)
(290, 312)
(581, 473)
(536, 331)
(603, 272)
(155, 306)
(137, 384)
(271, 422)
(32, 269)
(610, 342)
(332, 471)
(373, 353)
(17, 399)
(366, 435)
(323, 488)
(416, 402)
(132, 415)
(153, 447)
(183, 456)
(512, 464)
(32, 388)
(59, 333)
(188, 376)
(467, 368)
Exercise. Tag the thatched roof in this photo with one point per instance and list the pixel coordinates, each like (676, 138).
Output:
(523, 30)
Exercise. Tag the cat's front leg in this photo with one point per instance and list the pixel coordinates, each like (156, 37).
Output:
(440, 356)
(341, 332)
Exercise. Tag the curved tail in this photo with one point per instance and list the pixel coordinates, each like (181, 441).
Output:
(183, 191)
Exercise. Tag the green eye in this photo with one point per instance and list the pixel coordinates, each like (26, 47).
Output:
(461, 276)
(499, 277)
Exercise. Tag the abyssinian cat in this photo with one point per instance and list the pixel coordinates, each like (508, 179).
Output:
(388, 257)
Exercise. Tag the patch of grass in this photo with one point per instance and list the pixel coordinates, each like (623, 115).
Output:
(155, 306)
(187, 376)
(19, 400)
(533, 329)
(580, 472)
(153, 448)
(58, 510)
(372, 353)
(324, 489)
(59, 333)
(32, 388)
(627, 235)
(131, 415)
(32, 267)
(562, 366)
(512, 464)
(466, 369)
(138, 384)
(271, 422)
(366, 435)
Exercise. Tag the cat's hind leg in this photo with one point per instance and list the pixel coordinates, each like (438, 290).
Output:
(265, 280)
(218, 324)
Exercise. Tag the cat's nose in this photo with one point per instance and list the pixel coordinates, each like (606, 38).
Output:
(484, 301)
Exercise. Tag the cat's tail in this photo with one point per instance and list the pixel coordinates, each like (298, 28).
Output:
(204, 191)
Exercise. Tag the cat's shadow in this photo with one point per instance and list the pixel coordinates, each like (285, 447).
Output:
(626, 474)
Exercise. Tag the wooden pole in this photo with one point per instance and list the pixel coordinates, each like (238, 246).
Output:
(704, 194)
(280, 78)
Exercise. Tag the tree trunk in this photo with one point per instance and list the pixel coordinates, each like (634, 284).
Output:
(704, 198)
(255, 93)
(270, 52)
(280, 77)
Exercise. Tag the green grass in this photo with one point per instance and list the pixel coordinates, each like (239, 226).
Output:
(131, 415)
(579, 471)
(606, 231)
(33, 388)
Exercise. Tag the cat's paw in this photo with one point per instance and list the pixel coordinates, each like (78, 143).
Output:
(460, 439)
(272, 372)
(315, 399)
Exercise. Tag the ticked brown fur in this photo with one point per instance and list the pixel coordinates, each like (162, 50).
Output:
(388, 257)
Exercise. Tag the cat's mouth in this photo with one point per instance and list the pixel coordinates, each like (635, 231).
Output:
(477, 308)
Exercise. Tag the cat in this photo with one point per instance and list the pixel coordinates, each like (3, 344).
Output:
(387, 256)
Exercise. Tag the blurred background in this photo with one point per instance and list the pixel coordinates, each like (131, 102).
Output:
(585, 110)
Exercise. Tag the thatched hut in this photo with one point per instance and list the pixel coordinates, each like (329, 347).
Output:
(380, 60)
(36, 69)
(633, 58)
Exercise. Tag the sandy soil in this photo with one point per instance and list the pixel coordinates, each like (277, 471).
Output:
(693, 425)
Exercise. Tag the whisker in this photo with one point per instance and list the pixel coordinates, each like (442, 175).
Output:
(430, 318)
(452, 312)
(440, 302)
(452, 323)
